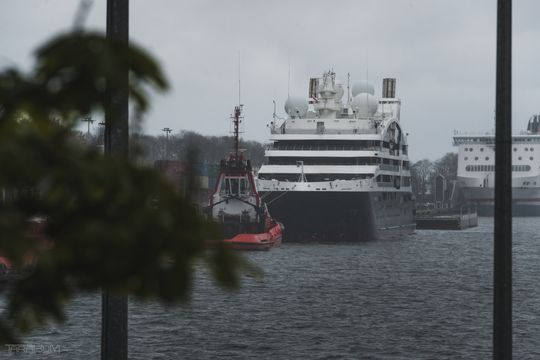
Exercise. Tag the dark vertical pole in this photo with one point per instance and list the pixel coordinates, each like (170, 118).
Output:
(117, 122)
(167, 131)
(502, 294)
(114, 307)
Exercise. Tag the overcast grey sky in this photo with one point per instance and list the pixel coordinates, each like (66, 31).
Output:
(441, 52)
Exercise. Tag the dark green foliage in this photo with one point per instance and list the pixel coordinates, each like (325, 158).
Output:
(109, 223)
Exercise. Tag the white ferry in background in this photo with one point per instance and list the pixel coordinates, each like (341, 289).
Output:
(339, 170)
(476, 170)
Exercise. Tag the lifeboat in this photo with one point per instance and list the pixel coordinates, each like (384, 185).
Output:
(266, 240)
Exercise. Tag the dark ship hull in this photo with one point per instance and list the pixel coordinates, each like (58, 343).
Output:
(525, 201)
(342, 216)
(518, 210)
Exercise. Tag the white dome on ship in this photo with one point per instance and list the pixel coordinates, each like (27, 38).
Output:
(362, 87)
(339, 90)
(365, 104)
(296, 106)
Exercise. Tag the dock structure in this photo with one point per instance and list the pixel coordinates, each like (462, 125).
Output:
(446, 219)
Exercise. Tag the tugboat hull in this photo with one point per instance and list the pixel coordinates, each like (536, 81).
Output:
(262, 241)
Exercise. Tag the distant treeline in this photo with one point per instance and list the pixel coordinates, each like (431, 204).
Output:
(211, 149)
(424, 173)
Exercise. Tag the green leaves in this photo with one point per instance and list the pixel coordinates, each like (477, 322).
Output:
(109, 224)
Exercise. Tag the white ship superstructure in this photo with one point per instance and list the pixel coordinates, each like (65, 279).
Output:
(476, 169)
(338, 169)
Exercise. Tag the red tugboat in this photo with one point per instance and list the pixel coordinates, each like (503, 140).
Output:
(36, 227)
(237, 206)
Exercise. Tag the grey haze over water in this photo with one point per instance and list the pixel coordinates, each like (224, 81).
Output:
(441, 52)
(425, 297)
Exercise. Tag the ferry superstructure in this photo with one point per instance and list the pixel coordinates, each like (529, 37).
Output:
(339, 170)
(476, 169)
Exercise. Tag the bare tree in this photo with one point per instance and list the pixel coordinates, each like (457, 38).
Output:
(447, 166)
(421, 174)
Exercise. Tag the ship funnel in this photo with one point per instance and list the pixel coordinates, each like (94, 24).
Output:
(389, 88)
(313, 89)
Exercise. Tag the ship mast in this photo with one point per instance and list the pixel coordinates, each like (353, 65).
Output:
(236, 123)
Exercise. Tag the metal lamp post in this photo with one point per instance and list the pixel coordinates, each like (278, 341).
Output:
(167, 132)
(88, 120)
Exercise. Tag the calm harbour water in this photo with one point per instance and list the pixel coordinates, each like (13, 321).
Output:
(425, 297)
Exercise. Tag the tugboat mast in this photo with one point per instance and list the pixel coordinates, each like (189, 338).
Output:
(236, 122)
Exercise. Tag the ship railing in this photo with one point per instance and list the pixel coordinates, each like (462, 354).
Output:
(474, 133)
(323, 148)
(490, 141)
(473, 140)
(488, 133)
(321, 163)
(324, 131)
(336, 184)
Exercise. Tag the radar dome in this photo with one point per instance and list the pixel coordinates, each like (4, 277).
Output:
(365, 105)
(296, 106)
(362, 87)
(339, 90)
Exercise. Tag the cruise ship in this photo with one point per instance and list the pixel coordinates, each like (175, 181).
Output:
(476, 169)
(337, 169)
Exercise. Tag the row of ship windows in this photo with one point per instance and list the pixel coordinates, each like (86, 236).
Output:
(336, 145)
(235, 186)
(313, 177)
(476, 158)
(487, 158)
(519, 168)
(283, 160)
(515, 149)
(471, 149)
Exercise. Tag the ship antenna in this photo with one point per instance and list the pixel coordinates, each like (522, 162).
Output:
(239, 84)
(289, 82)
(367, 74)
(348, 90)
(236, 117)
(367, 66)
